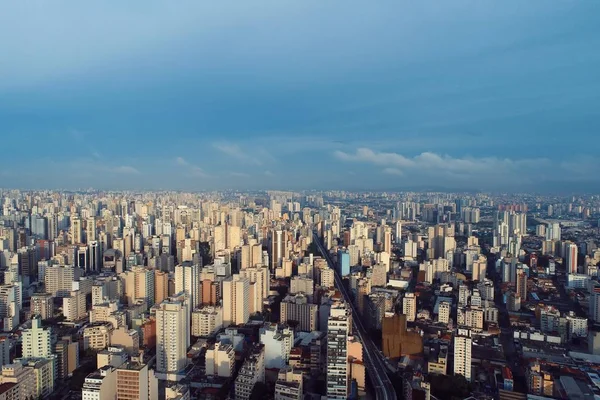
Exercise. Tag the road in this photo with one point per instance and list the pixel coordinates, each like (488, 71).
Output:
(373, 359)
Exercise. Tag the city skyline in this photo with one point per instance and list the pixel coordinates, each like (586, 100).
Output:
(463, 95)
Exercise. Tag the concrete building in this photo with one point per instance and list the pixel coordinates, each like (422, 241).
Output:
(462, 353)
(236, 296)
(409, 306)
(42, 304)
(339, 327)
(100, 385)
(37, 340)
(252, 372)
(172, 336)
(298, 310)
(220, 360)
(135, 381)
(59, 279)
(187, 280)
(206, 321)
(278, 342)
(289, 385)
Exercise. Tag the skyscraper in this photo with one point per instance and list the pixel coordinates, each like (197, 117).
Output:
(338, 330)
(236, 296)
(187, 279)
(462, 353)
(522, 284)
(571, 258)
(172, 335)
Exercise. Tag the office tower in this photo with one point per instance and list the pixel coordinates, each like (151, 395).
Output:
(36, 340)
(409, 307)
(236, 296)
(42, 304)
(338, 330)
(59, 279)
(187, 279)
(161, 286)
(571, 258)
(251, 373)
(172, 335)
(76, 231)
(135, 381)
(522, 284)
(296, 310)
(462, 353)
(343, 262)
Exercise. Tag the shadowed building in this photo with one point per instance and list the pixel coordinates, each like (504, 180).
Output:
(396, 340)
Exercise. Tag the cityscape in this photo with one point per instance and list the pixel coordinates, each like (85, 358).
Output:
(300, 200)
(299, 295)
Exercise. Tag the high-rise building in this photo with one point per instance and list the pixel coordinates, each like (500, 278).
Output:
(296, 309)
(206, 321)
(236, 296)
(343, 262)
(278, 247)
(42, 304)
(522, 284)
(594, 305)
(338, 330)
(220, 360)
(161, 286)
(462, 353)
(251, 373)
(398, 232)
(100, 385)
(76, 231)
(289, 385)
(409, 307)
(172, 336)
(259, 286)
(571, 258)
(36, 340)
(135, 381)
(187, 279)
(444, 312)
(139, 285)
(59, 279)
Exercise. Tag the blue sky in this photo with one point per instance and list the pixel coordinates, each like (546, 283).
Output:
(196, 95)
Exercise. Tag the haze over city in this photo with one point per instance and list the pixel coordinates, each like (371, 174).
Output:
(477, 95)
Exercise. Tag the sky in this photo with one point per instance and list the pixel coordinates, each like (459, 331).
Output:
(359, 95)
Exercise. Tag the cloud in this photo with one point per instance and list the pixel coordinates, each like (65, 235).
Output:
(269, 173)
(193, 170)
(235, 151)
(181, 161)
(392, 171)
(489, 172)
(239, 174)
(124, 169)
